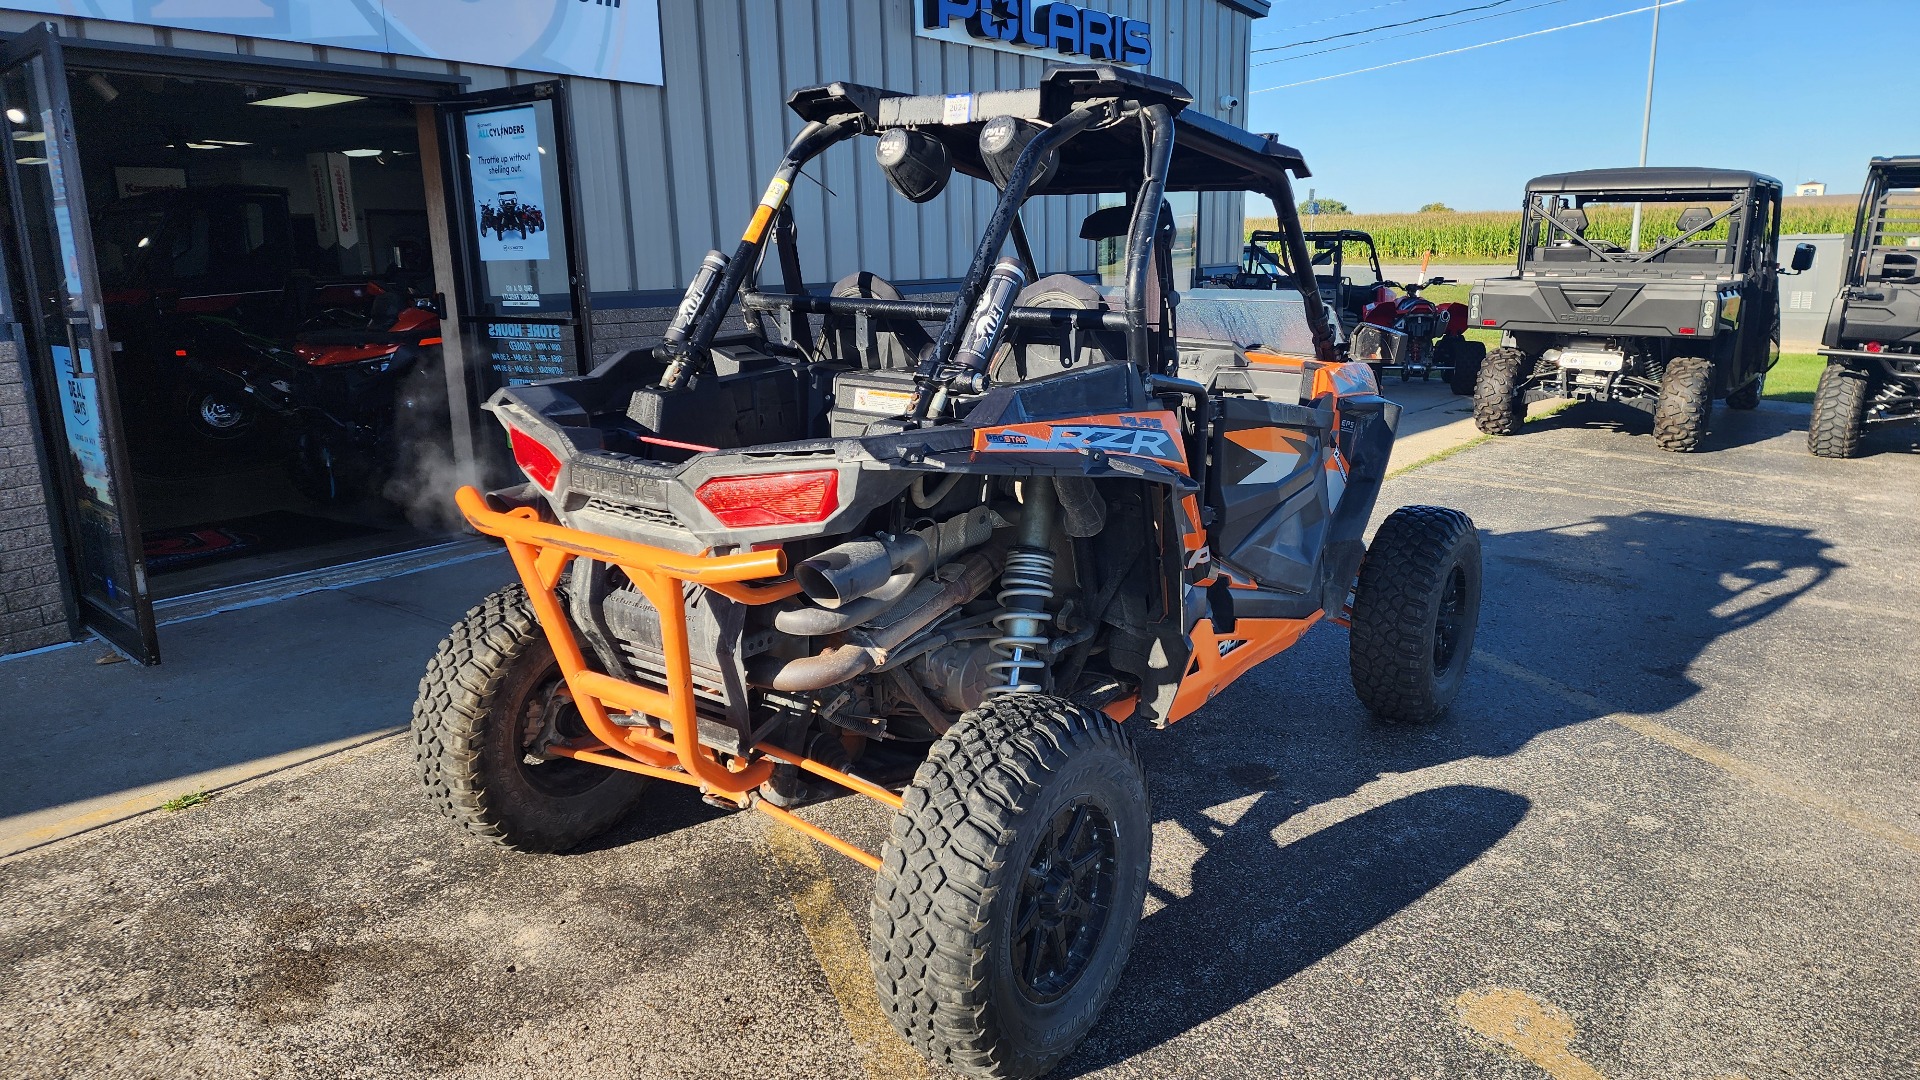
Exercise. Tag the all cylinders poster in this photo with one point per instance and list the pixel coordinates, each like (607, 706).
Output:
(503, 157)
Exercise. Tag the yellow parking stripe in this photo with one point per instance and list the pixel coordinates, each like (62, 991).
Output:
(1754, 774)
(1533, 1029)
(843, 958)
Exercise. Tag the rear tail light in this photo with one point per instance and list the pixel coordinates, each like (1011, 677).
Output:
(794, 498)
(541, 465)
(1688, 330)
(1874, 346)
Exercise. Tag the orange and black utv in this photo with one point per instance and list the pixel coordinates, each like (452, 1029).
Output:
(945, 554)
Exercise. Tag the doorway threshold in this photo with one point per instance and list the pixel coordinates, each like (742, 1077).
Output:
(199, 605)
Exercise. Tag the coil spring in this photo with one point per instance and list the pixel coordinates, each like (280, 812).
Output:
(1026, 584)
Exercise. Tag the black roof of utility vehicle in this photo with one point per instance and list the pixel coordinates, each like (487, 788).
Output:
(1208, 154)
(1897, 163)
(1669, 178)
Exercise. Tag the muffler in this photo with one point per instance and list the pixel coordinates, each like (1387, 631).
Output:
(952, 585)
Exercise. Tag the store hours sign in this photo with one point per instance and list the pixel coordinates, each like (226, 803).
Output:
(1034, 28)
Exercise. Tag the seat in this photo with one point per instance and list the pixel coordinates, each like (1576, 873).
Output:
(889, 344)
(1032, 352)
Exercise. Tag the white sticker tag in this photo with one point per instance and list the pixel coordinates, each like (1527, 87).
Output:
(889, 402)
(959, 109)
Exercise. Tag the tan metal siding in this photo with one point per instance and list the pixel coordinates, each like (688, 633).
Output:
(668, 172)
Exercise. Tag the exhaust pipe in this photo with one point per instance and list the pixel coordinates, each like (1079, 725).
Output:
(860, 568)
(860, 580)
(955, 584)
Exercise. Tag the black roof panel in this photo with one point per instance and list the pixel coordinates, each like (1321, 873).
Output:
(1663, 178)
(1208, 154)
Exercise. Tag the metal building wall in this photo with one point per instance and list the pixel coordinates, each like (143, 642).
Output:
(722, 124)
(667, 172)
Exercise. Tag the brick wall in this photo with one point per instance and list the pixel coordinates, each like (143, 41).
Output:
(31, 611)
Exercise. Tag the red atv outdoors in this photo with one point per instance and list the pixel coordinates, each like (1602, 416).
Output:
(1402, 330)
(948, 555)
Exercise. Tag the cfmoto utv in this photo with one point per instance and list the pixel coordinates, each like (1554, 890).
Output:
(1873, 329)
(946, 555)
(1693, 317)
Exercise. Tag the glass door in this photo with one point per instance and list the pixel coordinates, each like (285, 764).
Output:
(524, 308)
(60, 308)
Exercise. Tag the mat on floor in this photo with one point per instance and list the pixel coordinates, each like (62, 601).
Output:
(280, 530)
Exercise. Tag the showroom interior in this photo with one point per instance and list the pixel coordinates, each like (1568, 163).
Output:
(252, 244)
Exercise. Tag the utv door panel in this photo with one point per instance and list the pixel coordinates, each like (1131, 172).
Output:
(1270, 472)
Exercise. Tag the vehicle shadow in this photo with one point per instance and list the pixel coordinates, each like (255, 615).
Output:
(1618, 607)
(1726, 428)
(1261, 912)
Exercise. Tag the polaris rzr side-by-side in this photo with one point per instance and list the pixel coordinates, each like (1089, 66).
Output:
(946, 555)
(1691, 318)
(1872, 341)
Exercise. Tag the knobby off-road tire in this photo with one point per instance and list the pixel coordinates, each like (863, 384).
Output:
(1498, 408)
(1686, 400)
(1748, 396)
(1415, 611)
(1839, 412)
(1011, 886)
(486, 694)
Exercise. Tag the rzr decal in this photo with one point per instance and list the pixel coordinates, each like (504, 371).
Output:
(1126, 434)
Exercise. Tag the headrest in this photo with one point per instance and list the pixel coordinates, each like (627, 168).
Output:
(1573, 219)
(1693, 217)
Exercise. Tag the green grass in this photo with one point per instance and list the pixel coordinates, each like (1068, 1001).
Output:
(192, 798)
(1795, 376)
(1493, 236)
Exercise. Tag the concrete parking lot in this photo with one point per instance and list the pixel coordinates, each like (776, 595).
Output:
(1669, 831)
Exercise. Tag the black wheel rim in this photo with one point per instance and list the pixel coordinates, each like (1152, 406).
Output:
(1066, 894)
(1451, 620)
(546, 714)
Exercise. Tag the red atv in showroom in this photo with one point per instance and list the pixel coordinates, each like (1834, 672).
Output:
(1407, 331)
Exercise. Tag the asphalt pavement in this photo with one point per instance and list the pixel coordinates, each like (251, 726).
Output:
(1668, 831)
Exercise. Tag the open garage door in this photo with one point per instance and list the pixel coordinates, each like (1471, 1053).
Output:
(63, 316)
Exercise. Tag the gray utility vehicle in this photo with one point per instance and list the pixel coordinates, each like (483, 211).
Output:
(1873, 332)
(1693, 317)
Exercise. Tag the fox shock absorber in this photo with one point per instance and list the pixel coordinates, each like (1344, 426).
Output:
(984, 329)
(1026, 586)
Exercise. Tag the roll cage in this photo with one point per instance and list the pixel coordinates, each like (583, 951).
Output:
(1088, 130)
(1554, 217)
(1885, 247)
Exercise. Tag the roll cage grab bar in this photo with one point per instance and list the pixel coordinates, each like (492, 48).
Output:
(1157, 127)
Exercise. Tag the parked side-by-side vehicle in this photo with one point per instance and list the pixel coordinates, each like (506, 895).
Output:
(1688, 319)
(1872, 342)
(947, 555)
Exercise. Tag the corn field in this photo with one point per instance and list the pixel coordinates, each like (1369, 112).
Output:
(1494, 235)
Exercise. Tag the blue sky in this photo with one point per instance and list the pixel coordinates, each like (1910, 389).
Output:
(1779, 86)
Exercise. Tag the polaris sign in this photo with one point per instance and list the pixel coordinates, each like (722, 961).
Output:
(1033, 28)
